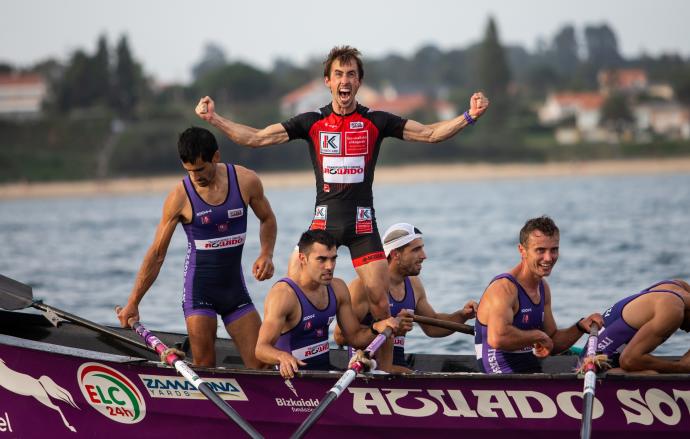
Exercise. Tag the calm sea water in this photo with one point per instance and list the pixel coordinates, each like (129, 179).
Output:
(618, 235)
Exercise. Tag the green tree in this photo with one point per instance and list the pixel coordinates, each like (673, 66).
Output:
(494, 75)
(602, 47)
(236, 82)
(129, 83)
(616, 114)
(565, 50)
(212, 58)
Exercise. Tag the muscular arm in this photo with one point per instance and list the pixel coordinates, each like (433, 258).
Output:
(250, 184)
(500, 299)
(563, 339)
(155, 255)
(355, 334)
(360, 307)
(241, 134)
(280, 303)
(637, 354)
(440, 131)
(424, 308)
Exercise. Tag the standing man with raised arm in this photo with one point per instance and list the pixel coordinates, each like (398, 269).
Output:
(515, 325)
(211, 203)
(344, 140)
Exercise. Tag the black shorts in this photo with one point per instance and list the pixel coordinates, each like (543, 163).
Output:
(354, 226)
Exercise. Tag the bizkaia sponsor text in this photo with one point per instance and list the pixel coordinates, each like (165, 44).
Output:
(298, 405)
(639, 406)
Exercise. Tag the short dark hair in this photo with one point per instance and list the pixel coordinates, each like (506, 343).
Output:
(195, 142)
(544, 224)
(308, 238)
(344, 54)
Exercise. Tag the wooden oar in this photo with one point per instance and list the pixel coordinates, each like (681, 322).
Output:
(453, 326)
(590, 382)
(175, 361)
(340, 385)
(15, 295)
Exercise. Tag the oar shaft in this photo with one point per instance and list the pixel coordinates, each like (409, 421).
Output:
(590, 382)
(88, 324)
(453, 326)
(340, 386)
(16, 295)
(172, 359)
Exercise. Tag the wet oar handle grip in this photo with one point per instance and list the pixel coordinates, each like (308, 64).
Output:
(453, 326)
(167, 355)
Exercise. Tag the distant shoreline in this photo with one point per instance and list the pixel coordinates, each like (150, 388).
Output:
(384, 175)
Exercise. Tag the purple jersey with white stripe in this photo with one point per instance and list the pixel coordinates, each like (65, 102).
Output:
(308, 340)
(616, 333)
(530, 315)
(213, 279)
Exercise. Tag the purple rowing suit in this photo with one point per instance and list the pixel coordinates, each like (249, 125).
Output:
(616, 333)
(213, 279)
(308, 339)
(407, 302)
(530, 315)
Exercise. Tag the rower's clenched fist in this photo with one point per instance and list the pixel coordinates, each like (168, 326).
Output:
(206, 108)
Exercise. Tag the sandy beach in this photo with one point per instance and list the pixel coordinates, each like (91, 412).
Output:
(384, 175)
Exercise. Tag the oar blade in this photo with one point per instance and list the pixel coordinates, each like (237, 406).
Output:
(14, 295)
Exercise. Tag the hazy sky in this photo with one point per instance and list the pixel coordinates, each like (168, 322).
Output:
(168, 36)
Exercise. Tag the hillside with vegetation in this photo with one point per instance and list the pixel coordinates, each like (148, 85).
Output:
(103, 116)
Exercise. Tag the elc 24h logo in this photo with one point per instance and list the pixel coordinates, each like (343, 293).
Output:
(111, 393)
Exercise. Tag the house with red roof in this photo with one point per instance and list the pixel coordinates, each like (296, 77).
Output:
(21, 95)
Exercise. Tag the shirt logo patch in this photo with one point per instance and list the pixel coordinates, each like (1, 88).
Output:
(206, 219)
(343, 169)
(220, 243)
(364, 222)
(357, 143)
(223, 227)
(357, 125)
(329, 143)
(320, 216)
(235, 213)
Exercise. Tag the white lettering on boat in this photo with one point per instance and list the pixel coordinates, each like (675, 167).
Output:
(510, 404)
(645, 407)
(654, 405)
(298, 405)
(5, 425)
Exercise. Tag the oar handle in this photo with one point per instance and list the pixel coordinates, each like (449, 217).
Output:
(340, 385)
(453, 326)
(590, 382)
(172, 359)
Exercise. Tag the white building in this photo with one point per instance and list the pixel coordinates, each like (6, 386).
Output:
(21, 95)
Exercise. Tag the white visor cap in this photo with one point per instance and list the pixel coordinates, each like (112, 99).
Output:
(398, 235)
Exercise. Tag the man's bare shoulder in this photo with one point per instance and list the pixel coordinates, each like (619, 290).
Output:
(501, 289)
(340, 288)
(176, 199)
(245, 174)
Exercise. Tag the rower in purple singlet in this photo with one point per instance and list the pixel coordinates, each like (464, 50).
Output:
(211, 203)
(403, 245)
(638, 324)
(515, 325)
(298, 311)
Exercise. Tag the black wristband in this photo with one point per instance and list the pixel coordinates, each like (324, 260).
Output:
(372, 329)
(580, 327)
